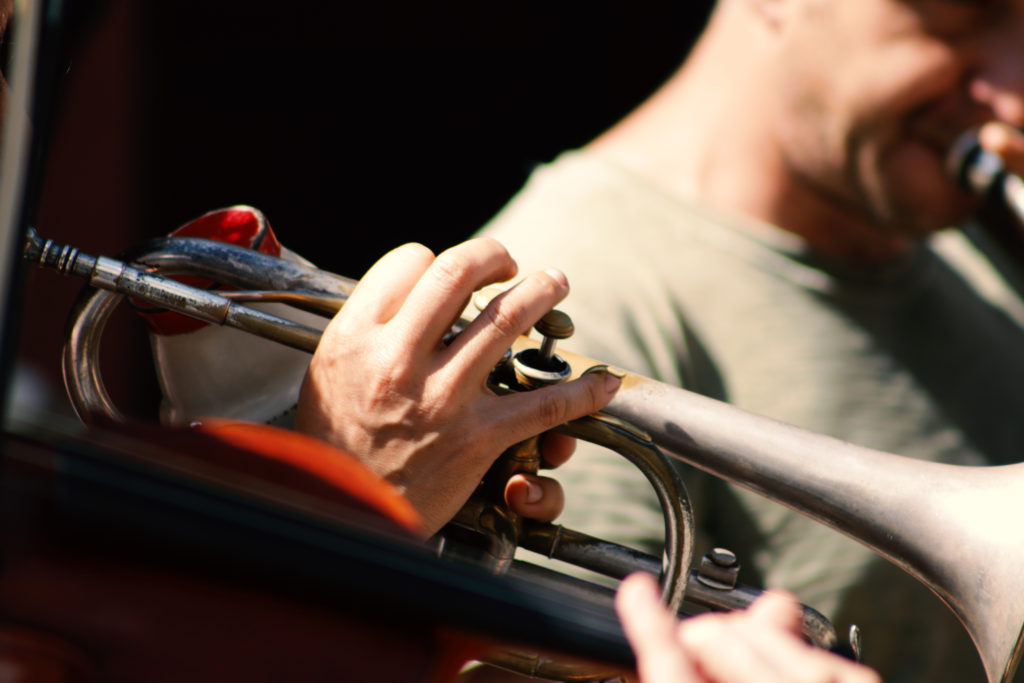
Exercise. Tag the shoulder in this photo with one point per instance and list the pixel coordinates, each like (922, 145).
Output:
(624, 247)
(581, 213)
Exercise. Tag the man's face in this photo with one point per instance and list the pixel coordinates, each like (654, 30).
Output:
(874, 92)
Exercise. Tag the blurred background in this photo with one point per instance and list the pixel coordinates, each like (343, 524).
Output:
(354, 127)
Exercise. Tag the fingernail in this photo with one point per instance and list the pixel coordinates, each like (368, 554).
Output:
(558, 276)
(612, 376)
(533, 492)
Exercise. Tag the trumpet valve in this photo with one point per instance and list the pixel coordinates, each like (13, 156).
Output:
(540, 367)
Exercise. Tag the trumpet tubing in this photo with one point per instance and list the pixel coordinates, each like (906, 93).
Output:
(952, 527)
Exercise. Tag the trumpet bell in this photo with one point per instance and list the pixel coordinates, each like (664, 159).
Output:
(952, 527)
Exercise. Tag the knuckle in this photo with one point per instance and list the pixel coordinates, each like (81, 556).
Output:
(506, 320)
(490, 244)
(551, 409)
(582, 397)
(595, 397)
(450, 270)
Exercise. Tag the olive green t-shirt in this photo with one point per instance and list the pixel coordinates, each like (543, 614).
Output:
(924, 358)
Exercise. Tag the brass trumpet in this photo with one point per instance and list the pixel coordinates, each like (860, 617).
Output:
(951, 529)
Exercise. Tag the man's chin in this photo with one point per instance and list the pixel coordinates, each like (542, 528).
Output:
(933, 206)
(954, 211)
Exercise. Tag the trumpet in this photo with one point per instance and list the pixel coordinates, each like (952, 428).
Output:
(946, 529)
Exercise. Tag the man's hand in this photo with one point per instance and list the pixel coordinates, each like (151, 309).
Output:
(761, 643)
(384, 387)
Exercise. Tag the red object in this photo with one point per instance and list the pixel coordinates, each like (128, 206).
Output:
(296, 462)
(243, 226)
(81, 610)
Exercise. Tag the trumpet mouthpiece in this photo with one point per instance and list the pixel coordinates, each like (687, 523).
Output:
(972, 166)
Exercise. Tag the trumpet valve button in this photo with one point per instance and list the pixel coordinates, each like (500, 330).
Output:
(539, 367)
(554, 326)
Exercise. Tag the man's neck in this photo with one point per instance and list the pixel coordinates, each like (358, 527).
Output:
(700, 138)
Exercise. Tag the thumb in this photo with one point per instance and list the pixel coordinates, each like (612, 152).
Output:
(529, 413)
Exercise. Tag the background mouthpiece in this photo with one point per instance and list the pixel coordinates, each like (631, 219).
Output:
(973, 167)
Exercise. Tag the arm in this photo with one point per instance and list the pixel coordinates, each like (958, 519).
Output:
(384, 387)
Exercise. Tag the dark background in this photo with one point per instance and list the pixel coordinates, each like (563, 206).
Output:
(353, 126)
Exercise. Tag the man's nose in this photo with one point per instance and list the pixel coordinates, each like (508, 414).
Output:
(999, 81)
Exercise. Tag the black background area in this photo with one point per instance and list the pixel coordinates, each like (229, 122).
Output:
(354, 126)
